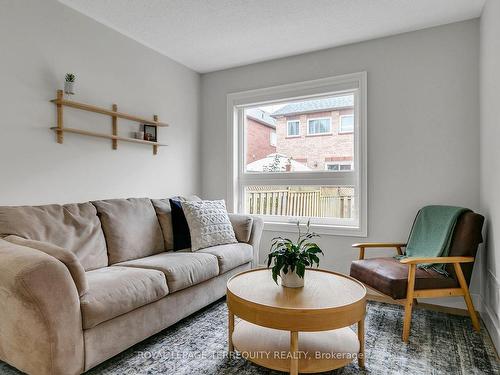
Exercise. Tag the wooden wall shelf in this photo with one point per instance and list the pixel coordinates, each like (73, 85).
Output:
(60, 102)
(107, 136)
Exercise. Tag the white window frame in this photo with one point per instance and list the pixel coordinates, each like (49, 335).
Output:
(288, 135)
(340, 124)
(238, 178)
(319, 118)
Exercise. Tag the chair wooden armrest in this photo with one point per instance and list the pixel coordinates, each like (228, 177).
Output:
(411, 293)
(437, 260)
(363, 245)
(379, 244)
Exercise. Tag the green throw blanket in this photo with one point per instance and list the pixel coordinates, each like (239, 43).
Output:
(431, 234)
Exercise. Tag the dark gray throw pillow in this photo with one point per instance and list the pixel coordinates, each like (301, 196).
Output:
(180, 228)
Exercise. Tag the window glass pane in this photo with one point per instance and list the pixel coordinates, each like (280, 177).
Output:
(347, 123)
(272, 140)
(319, 126)
(293, 122)
(293, 128)
(301, 201)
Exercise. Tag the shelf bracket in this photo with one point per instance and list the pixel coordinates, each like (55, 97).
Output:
(155, 147)
(114, 124)
(60, 124)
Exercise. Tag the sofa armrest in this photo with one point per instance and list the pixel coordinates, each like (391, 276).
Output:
(41, 323)
(242, 226)
(248, 229)
(69, 259)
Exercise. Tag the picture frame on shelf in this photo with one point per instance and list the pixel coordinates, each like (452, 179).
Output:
(150, 133)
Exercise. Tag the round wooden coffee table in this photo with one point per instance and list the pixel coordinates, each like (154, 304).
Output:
(297, 330)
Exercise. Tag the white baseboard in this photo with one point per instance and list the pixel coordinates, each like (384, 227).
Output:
(491, 307)
(456, 302)
(492, 326)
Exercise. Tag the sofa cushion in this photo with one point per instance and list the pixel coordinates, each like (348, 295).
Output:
(114, 291)
(131, 228)
(182, 270)
(180, 227)
(168, 223)
(74, 227)
(390, 277)
(242, 225)
(209, 224)
(231, 255)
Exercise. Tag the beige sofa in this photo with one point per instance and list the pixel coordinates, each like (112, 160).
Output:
(79, 283)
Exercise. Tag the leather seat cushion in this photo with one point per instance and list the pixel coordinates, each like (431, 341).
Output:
(182, 270)
(390, 277)
(231, 255)
(114, 291)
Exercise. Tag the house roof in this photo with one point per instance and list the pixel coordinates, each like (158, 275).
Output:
(261, 116)
(315, 105)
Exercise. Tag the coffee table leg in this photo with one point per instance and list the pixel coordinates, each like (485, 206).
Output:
(294, 350)
(361, 338)
(230, 330)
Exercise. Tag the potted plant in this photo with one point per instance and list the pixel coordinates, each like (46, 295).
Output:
(69, 83)
(291, 258)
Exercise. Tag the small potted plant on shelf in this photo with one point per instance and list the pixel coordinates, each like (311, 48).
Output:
(69, 84)
(290, 258)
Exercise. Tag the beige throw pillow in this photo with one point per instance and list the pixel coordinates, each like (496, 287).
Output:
(208, 223)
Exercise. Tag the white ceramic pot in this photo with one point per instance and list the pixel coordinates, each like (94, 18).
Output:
(69, 88)
(291, 280)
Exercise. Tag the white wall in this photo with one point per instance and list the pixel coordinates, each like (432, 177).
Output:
(490, 164)
(423, 110)
(41, 41)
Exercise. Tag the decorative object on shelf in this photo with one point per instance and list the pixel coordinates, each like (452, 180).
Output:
(69, 84)
(150, 133)
(139, 135)
(60, 102)
(291, 258)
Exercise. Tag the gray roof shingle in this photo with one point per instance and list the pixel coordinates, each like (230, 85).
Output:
(315, 105)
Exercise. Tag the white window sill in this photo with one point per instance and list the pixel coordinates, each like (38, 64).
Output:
(331, 230)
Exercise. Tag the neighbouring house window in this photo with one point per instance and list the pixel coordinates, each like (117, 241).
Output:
(336, 167)
(319, 126)
(300, 180)
(272, 139)
(293, 128)
(346, 124)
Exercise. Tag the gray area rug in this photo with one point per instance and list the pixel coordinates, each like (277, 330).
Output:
(439, 344)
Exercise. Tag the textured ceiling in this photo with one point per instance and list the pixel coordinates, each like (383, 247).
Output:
(209, 35)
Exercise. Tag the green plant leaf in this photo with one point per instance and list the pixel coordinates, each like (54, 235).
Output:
(301, 269)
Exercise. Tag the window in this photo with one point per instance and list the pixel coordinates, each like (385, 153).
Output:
(319, 126)
(279, 186)
(272, 139)
(293, 128)
(346, 124)
(338, 167)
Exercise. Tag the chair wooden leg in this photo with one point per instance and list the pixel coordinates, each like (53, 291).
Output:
(409, 302)
(467, 298)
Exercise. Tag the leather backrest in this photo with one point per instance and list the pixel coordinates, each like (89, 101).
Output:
(466, 239)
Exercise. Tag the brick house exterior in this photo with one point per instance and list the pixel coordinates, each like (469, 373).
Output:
(260, 127)
(317, 151)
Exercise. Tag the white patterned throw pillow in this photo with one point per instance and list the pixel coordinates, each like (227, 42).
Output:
(208, 223)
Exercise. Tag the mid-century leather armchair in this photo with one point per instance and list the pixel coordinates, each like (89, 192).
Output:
(402, 280)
